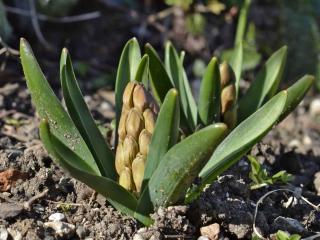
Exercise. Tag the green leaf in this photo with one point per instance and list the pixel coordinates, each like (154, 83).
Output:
(265, 84)
(235, 62)
(165, 134)
(143, 71)
(120, 198)
(209, 96)
(160, 80)
(179, 167)
(179, 78)
(240, 140)
(242, 22)
(127, 69)
(296, 93)
(49, 107)
(83, 120)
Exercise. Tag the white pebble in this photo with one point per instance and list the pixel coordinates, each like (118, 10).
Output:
(57, 217)
(138, 237)
(315, 107)
(203, 238)
(3, 233)
(62, 229)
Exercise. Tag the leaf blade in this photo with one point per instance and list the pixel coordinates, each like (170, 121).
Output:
(49, 107)
(160, 81)
(209, 96)
(264, 85)
(240, 140)
(175, 173)
(165, 134)
(143, 71)
(127, 68)
(82, 118)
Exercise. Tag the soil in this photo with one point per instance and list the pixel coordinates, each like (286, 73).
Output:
(33, 187)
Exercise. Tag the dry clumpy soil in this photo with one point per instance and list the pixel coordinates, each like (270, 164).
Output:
(38, 200)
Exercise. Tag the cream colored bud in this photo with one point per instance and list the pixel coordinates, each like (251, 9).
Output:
(127, 97)
(119, 161)
(134, 123)
(144, 141)
(122, 123)
(149, 120)
(138, 166)
(130, 149)
(125, 179)
(140, 98)
(228, 96)
(226, 75)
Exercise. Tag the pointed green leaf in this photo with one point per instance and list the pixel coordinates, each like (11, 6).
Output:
(143, 71)
(240, 140)
(165, 134)
(81, 116)
(49, 107)
(236, 64)
(160, 80)
(242, 21)
(119, 197)
(179, 78)
(179, 167)
(127, 69)
(265, 84)
(209, 96)
(296, 92)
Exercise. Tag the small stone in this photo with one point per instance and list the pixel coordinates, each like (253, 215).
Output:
(16, 235)
(288, 224)
(307, 140)
(315, 107)
(203, 238)
(316, 182)
(138, 237)
(81, 232)
(57, 217)
(3, 233)
(61, 229)
(211, 231)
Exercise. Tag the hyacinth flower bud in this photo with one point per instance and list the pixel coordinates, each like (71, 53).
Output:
(138, 166)
(125, 179)
(130, 149)
(134, 123)
(140, 98)
(119, 161)
(149, 120)
(228, 95)
(127, 95)
(144, 141)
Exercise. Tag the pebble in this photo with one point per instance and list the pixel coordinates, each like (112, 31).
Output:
(307, 140)
(316, 182)
(81, 232)
(57, 217)
(62, 229)
(288, 224)
(203, 238)
(315, 107)
(16, 235)
(211, 231)
(137, 236)
(3, 233)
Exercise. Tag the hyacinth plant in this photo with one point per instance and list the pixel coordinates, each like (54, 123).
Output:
(164, 140)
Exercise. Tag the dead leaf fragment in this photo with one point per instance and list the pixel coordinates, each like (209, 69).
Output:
(9, 177)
